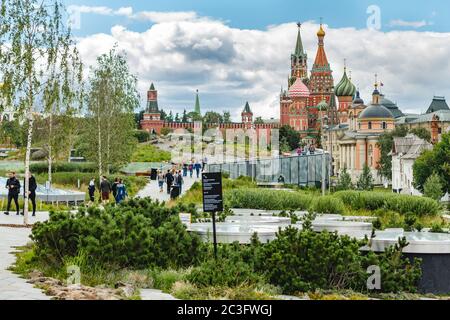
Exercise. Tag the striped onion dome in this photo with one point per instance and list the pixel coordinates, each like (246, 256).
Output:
(298, 89)
(345, 88)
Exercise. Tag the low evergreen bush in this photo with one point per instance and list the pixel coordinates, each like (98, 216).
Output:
(139, 233)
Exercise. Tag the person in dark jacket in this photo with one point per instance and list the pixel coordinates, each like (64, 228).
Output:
(114, 187)
(32, 186)
(169, 181)
(91, 189)
(13, 186)
(105, 189)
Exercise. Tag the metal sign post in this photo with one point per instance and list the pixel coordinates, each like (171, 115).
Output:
(212, 199)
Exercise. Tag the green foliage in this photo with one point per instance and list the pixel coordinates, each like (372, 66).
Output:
(345, 181)
(293, 262)
(166, 131)
(225, 272)
(83, 167)
(267, 199)
(139, 233)
(13, 132)
(385, 143)
(150, 153)
(433, 187)
(291, 136)
(327, 204)
(107, 138)
(365, 181)
(434, 161)
(165, 279)
(389, 201)
(422, 133)
(142, 136)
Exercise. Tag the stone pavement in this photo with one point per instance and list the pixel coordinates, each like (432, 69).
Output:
(153, 294)
(13, 219)
(11, 286)
(152, 189)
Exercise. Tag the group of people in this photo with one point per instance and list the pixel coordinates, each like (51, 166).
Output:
(303, 151)
(174, 178)
(13, 186)
(117, 189)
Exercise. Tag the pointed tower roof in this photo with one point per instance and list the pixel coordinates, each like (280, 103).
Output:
(197, 104)
(247, 108)
(299, 45)
(321, 62)
(152, 87)
(345, 88)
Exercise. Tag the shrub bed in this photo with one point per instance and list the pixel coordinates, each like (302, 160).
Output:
(83, 167)
(136, 234)
(267, 199)
(327, 204)
(389, 201)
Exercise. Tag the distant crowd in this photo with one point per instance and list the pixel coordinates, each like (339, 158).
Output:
(117, 189)
(174, 178)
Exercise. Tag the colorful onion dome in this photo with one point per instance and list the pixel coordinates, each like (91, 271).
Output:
(321, 32)
(299, 89)
(323, 105)
(345, 88)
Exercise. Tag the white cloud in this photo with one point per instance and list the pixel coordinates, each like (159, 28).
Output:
(101, 10)
(409, 24)
(230, 66)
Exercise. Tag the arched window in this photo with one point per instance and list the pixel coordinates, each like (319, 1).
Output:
(384, 125)
(370, 125)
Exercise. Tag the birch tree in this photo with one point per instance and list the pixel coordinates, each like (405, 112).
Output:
(111, 100)
(36, 54)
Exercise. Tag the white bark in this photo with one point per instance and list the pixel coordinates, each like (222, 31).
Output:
(27, 165)
(50, 149)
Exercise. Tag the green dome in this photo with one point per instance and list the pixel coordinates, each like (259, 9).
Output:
(323, 105)
(345, 88)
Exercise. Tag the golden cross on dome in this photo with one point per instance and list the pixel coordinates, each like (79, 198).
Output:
(376, 80)
(299, 24)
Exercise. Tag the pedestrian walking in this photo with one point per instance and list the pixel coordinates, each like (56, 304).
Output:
(191, 169)
(160, 178)
(114, 187)
(204, 163)
(13, 186)
(198, 167)
(180, 182)
(91, 190)
(121, 192)
(32, 186)
(169, 180)
(105, 189)
(185, 169)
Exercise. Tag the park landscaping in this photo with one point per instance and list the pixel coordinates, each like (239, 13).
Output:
(145, 241)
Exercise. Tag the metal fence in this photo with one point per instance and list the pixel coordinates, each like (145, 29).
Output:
(297, 170)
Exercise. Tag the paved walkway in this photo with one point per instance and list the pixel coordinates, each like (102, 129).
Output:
(11, 286)
(153, 294)
(152, 189)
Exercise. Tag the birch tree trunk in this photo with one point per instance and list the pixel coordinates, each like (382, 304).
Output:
(50, 160)
(27, 156)
(100, 165)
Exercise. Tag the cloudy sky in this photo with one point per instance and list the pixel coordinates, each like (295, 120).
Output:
(237, 51)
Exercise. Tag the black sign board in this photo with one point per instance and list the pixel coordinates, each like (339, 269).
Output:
(212, 192)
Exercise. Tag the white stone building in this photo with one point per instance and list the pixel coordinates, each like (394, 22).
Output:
(405, 151)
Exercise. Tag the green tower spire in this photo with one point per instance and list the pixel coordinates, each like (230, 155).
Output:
(299, 45)
(197, 104)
